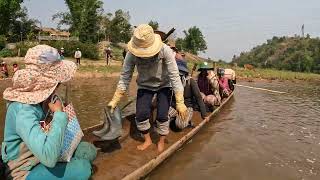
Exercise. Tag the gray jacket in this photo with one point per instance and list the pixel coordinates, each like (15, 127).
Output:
(154, 73)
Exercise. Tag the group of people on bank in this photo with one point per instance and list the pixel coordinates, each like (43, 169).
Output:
(5, 70)
(30, 153)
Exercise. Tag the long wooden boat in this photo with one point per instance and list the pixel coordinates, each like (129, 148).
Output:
(122, 160)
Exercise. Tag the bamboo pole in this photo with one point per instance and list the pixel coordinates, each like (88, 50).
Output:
(262, 89)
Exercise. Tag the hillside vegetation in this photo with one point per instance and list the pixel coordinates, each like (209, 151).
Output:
(285, 53)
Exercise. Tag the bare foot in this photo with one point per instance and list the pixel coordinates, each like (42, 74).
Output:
(161, 144)
(146, 144)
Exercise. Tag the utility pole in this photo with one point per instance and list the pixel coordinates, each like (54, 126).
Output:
(302, 30)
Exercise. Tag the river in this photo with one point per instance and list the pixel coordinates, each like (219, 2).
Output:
(258, 135)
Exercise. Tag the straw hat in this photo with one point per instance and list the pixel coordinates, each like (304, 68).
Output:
(144, 42)
(44, 71)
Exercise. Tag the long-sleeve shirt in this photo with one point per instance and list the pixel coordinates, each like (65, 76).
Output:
(26, 144)
(77, 54)
(192, 97)
(223, 83)
(154, 73)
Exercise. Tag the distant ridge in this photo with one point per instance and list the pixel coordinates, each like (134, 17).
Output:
(285, 53)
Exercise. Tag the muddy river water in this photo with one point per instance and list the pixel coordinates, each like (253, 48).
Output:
(257, 136)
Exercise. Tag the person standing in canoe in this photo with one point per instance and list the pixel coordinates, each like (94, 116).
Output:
(157, 74)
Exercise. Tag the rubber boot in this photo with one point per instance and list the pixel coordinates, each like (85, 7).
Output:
(115, 125)
(106, 125)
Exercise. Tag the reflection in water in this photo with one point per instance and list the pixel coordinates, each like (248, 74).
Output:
(257, 135)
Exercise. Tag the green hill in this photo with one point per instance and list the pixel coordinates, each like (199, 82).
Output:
(285, 53)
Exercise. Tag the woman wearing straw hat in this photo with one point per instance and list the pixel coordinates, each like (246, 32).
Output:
(27, 150)
(157, 74)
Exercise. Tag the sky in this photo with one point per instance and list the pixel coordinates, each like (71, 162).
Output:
(229, 26)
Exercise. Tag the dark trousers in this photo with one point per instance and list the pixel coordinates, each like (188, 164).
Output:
(78, 61)
(144, 105)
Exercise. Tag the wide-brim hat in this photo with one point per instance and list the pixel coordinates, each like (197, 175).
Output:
(205, 66)
(144, 42)
(44, 71)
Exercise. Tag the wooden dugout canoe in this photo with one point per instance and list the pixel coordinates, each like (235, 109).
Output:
(127, 162)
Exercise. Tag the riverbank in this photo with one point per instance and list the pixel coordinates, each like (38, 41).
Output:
(271, 74)
(98, 68)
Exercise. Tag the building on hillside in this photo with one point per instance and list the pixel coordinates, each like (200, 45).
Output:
(51, 34)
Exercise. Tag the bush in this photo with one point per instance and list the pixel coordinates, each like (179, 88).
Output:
(24, 48)
(3, 41)
(89, 50)
(7, 53)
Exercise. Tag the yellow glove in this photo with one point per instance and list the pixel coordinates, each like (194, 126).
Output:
(180, 106)
(116, 98)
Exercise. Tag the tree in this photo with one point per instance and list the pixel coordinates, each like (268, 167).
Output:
(22, 27)
(8, 10)
(120, 28)
(180, 44)
(82, 18)
(154, 25)
(194, 41)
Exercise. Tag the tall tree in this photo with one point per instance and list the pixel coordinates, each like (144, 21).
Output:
(23, 27)
(82, 18)
(154, 25)
(8, 10)
(120, 28)
(193, 42)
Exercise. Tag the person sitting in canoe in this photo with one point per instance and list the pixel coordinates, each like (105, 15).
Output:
(209, 86)
(230, 74)
(192, 97)
(225, 90)
(27, 150)
(157, 74)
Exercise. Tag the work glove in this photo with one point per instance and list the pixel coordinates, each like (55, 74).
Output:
(116, 98)
(180, 106)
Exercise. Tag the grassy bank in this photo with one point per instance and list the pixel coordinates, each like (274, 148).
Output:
(99, 68)
(272, 74)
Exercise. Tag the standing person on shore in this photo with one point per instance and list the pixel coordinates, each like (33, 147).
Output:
(108, 54)
(77, 56)
(27, 150)
(61, 52)
(157, 74)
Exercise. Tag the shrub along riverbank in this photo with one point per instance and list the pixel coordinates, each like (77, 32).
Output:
(89, 50)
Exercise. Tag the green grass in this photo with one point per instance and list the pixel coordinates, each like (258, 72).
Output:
(272, 74)
(100, 69)
(269, 74)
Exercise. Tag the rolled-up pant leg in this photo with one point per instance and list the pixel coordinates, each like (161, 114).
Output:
(163, 103)
(143, 109)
